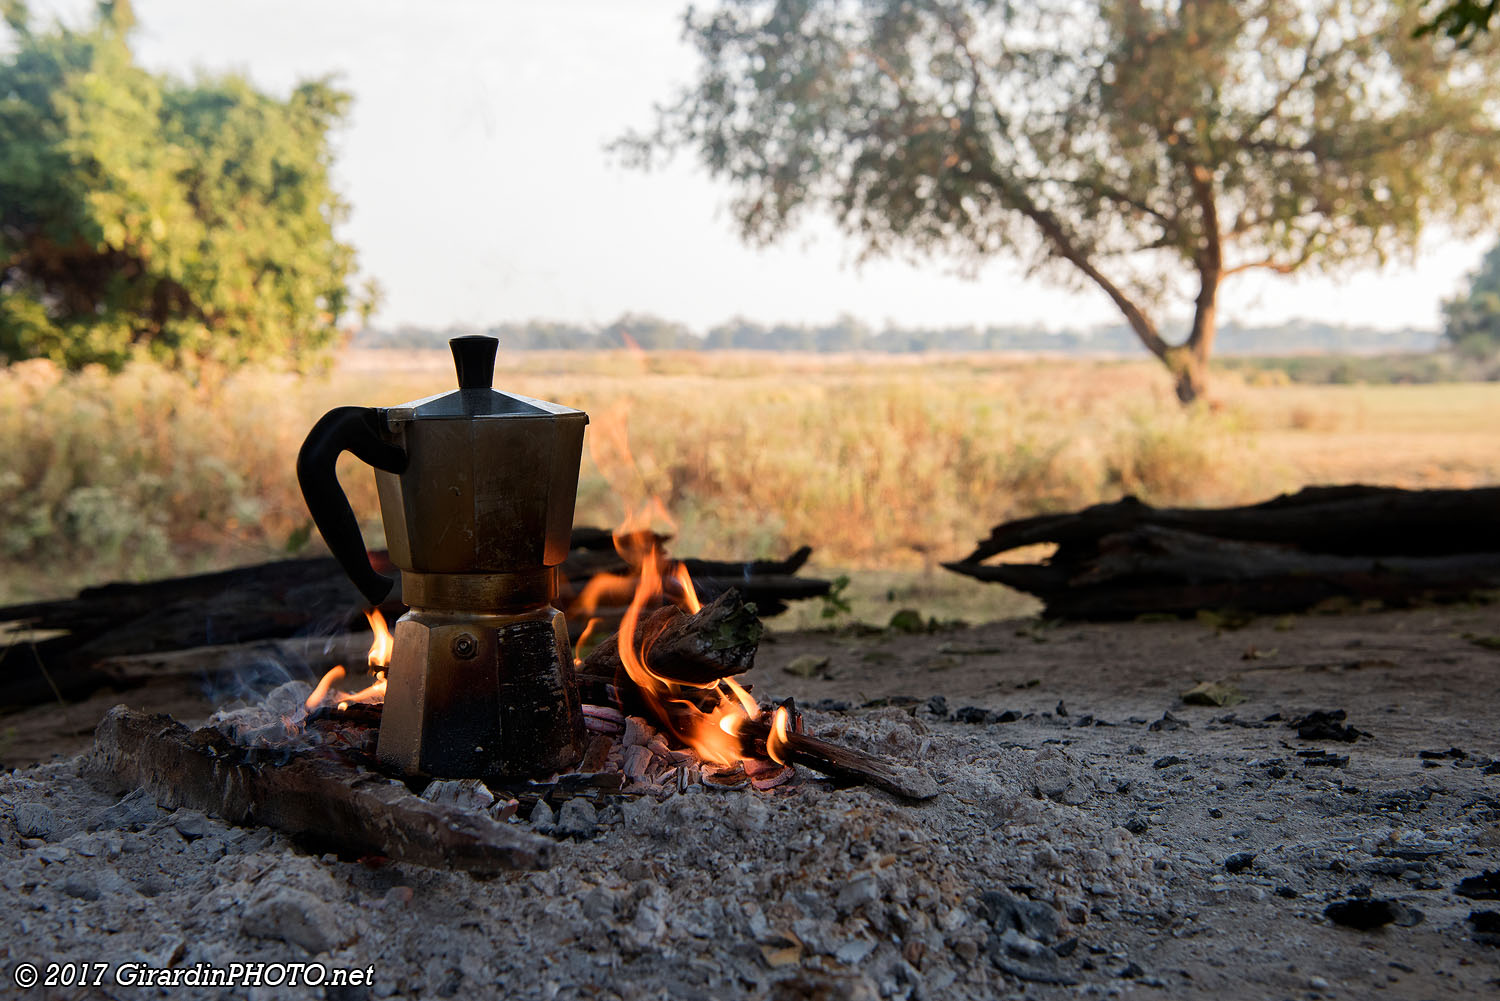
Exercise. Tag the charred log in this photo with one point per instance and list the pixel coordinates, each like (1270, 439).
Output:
(1353, 520)
(840, 762)
(120, 635)
(715, 642)
(1356, 543)
(318, 799)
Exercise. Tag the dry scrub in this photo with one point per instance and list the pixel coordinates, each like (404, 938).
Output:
(876, 461)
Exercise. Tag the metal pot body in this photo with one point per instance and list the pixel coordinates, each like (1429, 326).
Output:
(481, 494)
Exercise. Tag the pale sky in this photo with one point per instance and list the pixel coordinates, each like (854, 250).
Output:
(474, 163)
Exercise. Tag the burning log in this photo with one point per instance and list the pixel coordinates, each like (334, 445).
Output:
(694, 649)
(340, 806)
(689, 653)
(1118, 561)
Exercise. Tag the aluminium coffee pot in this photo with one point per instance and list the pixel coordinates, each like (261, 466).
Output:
(477, 489)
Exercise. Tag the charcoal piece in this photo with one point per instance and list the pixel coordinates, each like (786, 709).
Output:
(1031, 918)
(1484, 886)
(971, 714)
(1323, 758)
(1239, 861)
(1369, 913)
(1486, 925)
(1168, 723)
(1453, 752)
(1168, 761)
(1325, 724)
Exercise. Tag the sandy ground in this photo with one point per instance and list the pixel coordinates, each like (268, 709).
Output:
(1067, 793)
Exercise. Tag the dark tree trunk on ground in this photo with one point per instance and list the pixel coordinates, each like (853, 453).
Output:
(1117, 561)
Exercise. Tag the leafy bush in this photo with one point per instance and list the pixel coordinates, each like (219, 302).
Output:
(144, 217)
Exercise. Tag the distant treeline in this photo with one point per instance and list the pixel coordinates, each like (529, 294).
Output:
(655, 334)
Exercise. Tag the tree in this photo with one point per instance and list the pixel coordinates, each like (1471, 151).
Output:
(1461, 20)
(189, 223)
(1151, 150)
(1471, 322)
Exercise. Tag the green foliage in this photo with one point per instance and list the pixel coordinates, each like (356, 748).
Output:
(1471, 322)
(142, 216)
(1150, 150)
(1461, 20)
(835, 602)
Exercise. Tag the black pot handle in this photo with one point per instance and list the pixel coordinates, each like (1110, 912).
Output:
(357, 430)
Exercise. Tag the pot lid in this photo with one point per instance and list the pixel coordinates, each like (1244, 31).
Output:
(474, 359)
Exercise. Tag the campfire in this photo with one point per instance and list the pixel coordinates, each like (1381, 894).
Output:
(659, 696)
(476, 710)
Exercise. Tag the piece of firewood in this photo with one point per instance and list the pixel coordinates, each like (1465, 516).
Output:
(840, 762)
(337, 806)
(715, 642)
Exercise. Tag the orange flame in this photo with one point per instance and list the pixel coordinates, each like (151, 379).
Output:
(712, 733)
(583, 638)
(381, 646)
(706, 718)
(776, 740)
(315, 699)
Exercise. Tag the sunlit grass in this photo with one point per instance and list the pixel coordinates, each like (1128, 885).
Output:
(877, 461)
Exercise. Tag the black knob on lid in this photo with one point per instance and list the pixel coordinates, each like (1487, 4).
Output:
(474, 358)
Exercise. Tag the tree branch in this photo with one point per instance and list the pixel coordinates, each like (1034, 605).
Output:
(1065, 247)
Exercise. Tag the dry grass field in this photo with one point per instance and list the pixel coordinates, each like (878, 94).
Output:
(886, 463)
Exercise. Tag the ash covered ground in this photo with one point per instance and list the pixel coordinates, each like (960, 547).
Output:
(1135, 845)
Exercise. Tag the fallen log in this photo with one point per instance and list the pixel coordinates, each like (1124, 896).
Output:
(120, 635)
(312, 653)
(1354, 544)
(1353, 520)
(321, 800)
